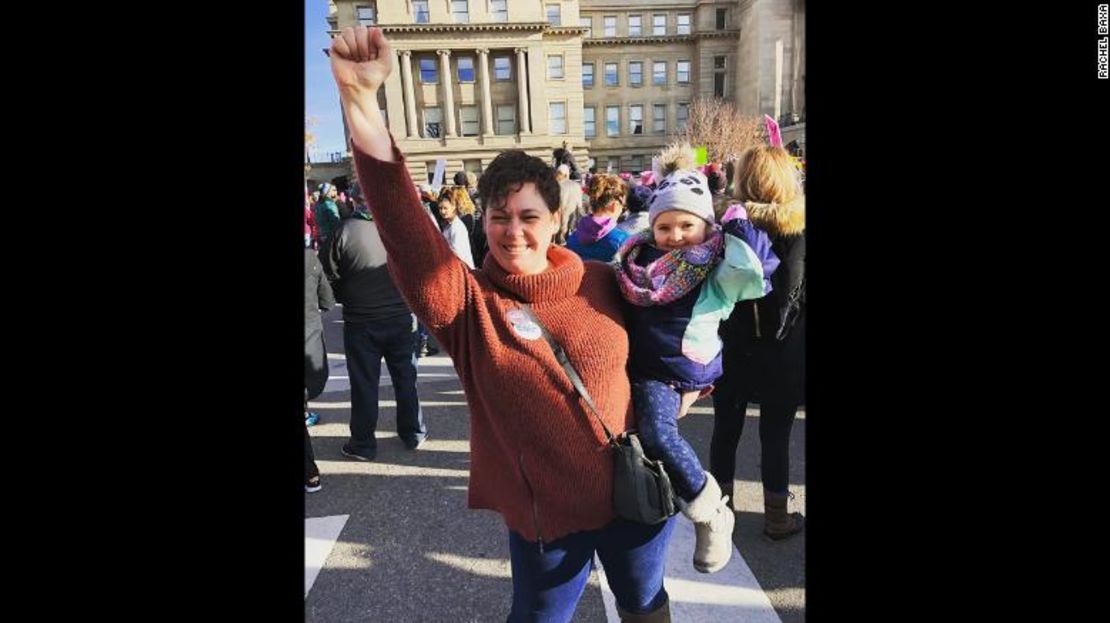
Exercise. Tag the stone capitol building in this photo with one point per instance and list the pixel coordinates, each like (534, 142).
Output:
(613, 80)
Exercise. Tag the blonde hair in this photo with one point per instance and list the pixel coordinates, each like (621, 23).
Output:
(458, 197)
(767, 175)
(605, 189)
(471, 179)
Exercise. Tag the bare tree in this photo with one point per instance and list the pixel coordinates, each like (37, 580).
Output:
(721, 128)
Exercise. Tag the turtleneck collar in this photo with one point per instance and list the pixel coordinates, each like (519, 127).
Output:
(561, 279)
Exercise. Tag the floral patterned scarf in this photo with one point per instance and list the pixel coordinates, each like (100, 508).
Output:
(670, 277)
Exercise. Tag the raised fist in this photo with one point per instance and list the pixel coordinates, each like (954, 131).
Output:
(361, 59)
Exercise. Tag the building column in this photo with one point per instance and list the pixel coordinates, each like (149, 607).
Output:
(487, 101)
(410, 93)
(778, 79)
(448, 95)
(522, 91)
(537, 90)
(395, 104)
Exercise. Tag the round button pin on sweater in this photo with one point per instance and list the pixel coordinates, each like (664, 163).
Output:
(523, 325)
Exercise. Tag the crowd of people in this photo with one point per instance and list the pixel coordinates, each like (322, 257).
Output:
(662, 287)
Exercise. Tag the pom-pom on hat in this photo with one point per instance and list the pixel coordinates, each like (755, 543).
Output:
(680, 185)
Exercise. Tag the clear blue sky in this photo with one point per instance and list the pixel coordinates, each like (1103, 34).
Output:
(321, 101)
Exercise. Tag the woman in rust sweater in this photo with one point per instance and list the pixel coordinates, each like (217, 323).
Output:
(537, 456)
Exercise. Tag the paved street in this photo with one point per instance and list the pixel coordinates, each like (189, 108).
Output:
(392, 540)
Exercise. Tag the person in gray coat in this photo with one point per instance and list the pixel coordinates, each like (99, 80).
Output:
(317, 296)
(570, 203)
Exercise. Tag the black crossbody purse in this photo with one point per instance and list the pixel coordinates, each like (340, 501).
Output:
(642, 491)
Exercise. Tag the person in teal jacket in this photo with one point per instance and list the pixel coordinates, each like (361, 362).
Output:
(327, 212)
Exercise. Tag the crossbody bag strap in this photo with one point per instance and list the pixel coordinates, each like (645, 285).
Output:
(561, 357)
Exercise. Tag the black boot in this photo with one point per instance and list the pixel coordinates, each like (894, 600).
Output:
(662, 614)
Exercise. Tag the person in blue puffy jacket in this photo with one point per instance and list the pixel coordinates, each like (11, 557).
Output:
(682, 277)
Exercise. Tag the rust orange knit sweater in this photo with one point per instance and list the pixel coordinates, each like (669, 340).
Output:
(537, 454)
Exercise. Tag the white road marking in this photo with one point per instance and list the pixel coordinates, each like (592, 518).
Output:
(320, 535)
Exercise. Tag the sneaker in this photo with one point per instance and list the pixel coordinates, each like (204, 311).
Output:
(311, 418)
(362, 454)
(414, 444)
(312, 485)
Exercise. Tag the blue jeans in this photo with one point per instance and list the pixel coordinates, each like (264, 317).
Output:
(656, 406)
(547, 585)
(364, 345)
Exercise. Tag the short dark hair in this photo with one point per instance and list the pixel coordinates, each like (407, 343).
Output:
(460, 178)
(716, 181)
(638, 198)
(510, 171)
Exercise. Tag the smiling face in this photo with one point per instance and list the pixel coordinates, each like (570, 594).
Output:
(676, 229)
(519, 232)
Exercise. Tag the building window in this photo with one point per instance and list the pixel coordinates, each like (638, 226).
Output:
(719, 76)
(588, 24)
(636, 119)
(472, 166)
(420, 11)
(466, 69)
(614, 165)
(367, 15)
(431, 170)
(659, 116)
(587, 75)
(433, 122)
(722, 14)
(428, 72)
(499, 10)
(659, 73)
(590, 122)
(506, 119)
(682, 117)
(683, 24)
(555, 14)
(658, 24)
(613, 120)
(683, 72)
(635, 73)
(635, 164)
(609, 25)
(555, 67)
(502, 68)
(460, 11)
(468, 115)
(611, 78)
(558, 117)
(635, 26)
